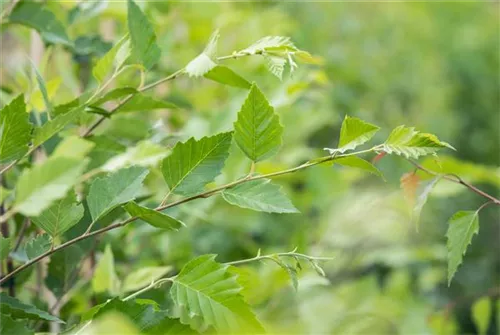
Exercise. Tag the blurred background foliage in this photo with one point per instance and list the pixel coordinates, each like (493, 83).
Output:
(434, 66)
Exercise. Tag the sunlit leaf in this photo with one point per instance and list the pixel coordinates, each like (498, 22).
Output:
(73, 147)
(105, 278)
(205, 61)
(15, 130)
(224, 75)
(481, 314)
(353, 133)
(144, 154)
(143, 277)
(108, 63)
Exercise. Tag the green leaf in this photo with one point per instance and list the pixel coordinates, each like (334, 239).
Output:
(154, 218)
(73, 147)
(114, 94)
(224, 75)
(205, 61)
(143, 277)
(5, 246)
(142, 37)
(259, 195)
(356, 162)
(144, 154)
(20, 310)
(4, 194)
(461, 228)
(61, 216)
(38, 245)
(142, 102)
(108, 63)
(481, 314)
(193, 164)
(114, 190)
(410, 143)
(257, 130)
(422, 199)
(15, 130)
(43, 89)
(54, 126)
(105, 278)
(9, 326)
(35, 15)
(37, 188)
(62, 272)
(207, 289)
(276, 65)
(353, 133)
(269, 43)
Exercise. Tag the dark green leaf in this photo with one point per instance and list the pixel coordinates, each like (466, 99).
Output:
(54, 126)
(142, 102)
(19, 310)
(15, 130)
(154, 218)
(356, 162)
(38, 245)
(8, 326)
(62, 272)
(224, 75)
(114, 94)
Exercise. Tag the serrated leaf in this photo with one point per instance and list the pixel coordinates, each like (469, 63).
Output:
(205, 61)
(35, 15)
(422, 199)
(461, 228)
(142, 37)
(73, 147)
(38, 245)
(207, 289)
(63, 268)
(113, 190)
(257, 131)
(142, 102)
(61, 216)
(481, 314)
(154, 218)
(5, 246)
(114, 94)
(353, 133)
(9, 326)
(144, 154)
(193, 164)
(410, 143)
(356, 162)
(15, 130)
(276, 65)
(224, 75)
(20, 310)
(54, 126)
(269, 42)
(105, 278)
(143, 277)
(259, 195)
(108, 63)
(37, 188)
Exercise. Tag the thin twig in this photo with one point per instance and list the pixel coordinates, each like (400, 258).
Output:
(20, 237)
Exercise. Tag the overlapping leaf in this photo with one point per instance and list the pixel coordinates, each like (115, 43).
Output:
(144, 154)
(105, 278)
(54, 126)
(18, 309)
(356, 162)
(205, 61)
(5, 246)
(38, 245)
(154, 218)
(224, 75)
(62, 272)
(109, 63)
(142, 102)
(9, 326)
(15, 130)
(143, 277)
(353, 133)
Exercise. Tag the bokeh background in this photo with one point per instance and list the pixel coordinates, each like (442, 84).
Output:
(431, 65)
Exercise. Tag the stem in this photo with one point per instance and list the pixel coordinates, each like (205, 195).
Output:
(149, 287)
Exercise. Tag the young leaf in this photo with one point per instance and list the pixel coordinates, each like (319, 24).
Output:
(410, 143)
(193, 164)
(107, 63)
(356, 162)
(260, 195)
(276, 65)
(461, 228)
(142, 102)
(481, 314)
(154, 218)
(269, 43)
(105, 278)
(15, 130)
(37, 188)
(38, 245)
(114, 190)
(205, 61)
(257, 130)
(54, 126)
(422, 199)
(143, 277)
(36, 15)
(5, 246)
(353, 133)
(207, 289)
(9, 326)
(63, 269)
(224, 75)
(61, 216)
(20, 310)
(142, 37)
(73, 147)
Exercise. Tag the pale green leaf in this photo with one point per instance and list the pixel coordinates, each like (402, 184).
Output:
(461, 228)
(207, 289)
(5, 247)
(276, 65)
(73, 147)
(37, 16)
(38, 245)
(422, 199)
(108, 63)
(353, 133)
(143, 277)
(142, 37)
(144, 154)
(19, 310)
(9, 326)
(4, 194)
(410, 143)
(61, 216)
(43, 88)
(105, 278)
(356, 162)
(257, 131)
(54, 126)
(193, 164)
(114, 94)
(269, 43)
(205, 61)
(37, 188)
(113, 190)
(154, 218)
(142, 102)
(259, 195)
(15, 130)
(224, 75)
(481, 314)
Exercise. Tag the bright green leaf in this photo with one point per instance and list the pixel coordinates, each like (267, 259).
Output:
(5, 246)
(205, 61)
(73, 147)
(356, 162)
(154, 218)
(224, 75)
(142, 102)
(257, 130)
(15, 130)
(108, 63)
(38, 245)
(353, 133)
(37, 188)
(61, 216)
(207, 289)
(259, 195)
(193, 164)
(105, 278)
(114, 190)
(19, 310)
(461, 228)
(54, 126)
(9, 326)
(143, 277)
(142, 37)
(481, 314)
(114, 94)
(43, 88)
